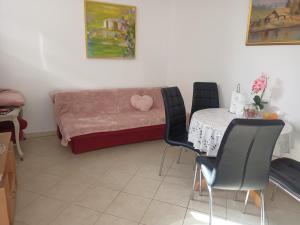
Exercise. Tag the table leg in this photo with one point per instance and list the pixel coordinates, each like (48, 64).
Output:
(197, 185)
(17, 138)
(255, 196)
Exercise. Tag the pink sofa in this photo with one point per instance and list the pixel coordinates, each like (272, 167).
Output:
(94, 119)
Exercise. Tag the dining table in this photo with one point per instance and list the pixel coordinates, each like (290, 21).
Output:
(208, 126)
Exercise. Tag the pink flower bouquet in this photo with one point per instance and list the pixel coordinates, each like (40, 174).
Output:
(259, 87)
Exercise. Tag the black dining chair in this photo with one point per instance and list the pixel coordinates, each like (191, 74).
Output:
(243, 160)
(285, 174)
(176, 133)
(205, 96)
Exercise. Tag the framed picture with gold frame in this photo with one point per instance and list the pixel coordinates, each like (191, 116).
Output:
(110, 30)
(274, 22)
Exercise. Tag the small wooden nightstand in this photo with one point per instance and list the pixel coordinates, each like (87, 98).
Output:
(8, 186)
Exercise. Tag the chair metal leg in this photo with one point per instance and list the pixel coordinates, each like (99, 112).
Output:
(179, 156)
(246, 201)
(194, 182)
(200, 181)
(274, 192)
(210, 204)
(262, 198)
(235, 196)
(163, 160)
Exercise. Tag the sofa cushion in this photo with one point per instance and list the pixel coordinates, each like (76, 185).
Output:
(72, 125)
(107, 101)
(141, 103)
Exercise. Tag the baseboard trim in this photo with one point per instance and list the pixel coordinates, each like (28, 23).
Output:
(40, 134)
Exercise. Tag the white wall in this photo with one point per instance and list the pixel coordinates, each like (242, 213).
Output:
(42, 48)
(207, 43)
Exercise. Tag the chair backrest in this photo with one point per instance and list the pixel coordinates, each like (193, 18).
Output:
(205, 95)
(175, 113)
(244, 157)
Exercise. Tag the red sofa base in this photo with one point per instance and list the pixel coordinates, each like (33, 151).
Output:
(95, 141)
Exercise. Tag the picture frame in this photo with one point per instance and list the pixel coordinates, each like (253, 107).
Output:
(110, 30)
(274, 22)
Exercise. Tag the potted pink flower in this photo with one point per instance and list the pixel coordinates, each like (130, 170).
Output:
(259, 87)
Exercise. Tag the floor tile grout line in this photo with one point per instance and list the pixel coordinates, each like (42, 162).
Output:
(120, 191)
(192, 193)
(186, 208)
(74, 203)
(50, 188)
(85, 207)
(64, 207)
(105, 210)
(30, 201)
(184, 216)
(152, 199)
(169, 203)
(148, 207)
(119, 217)
(65, 203)
(61, 180)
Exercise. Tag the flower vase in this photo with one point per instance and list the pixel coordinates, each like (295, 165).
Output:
(251, 111)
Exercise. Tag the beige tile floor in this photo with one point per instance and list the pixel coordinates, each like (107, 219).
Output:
(121, 186)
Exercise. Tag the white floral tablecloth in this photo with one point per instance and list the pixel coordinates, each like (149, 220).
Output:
(208, 126)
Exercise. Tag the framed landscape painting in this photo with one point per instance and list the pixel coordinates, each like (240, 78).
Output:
(110, 30)
(274, 22)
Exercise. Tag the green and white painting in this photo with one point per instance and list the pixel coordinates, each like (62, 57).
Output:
(110, 30)
(274, 22)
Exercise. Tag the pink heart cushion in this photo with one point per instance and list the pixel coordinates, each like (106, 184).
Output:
(11, 98)
(142, 103)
